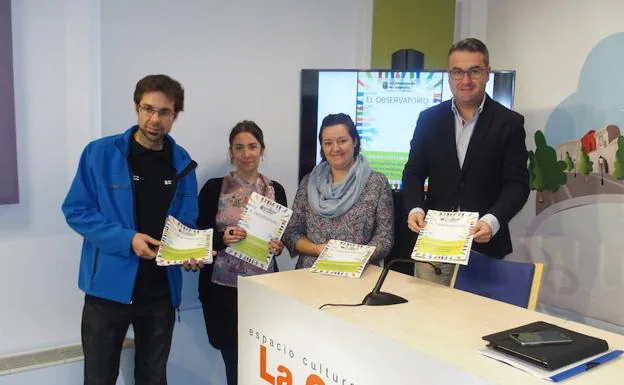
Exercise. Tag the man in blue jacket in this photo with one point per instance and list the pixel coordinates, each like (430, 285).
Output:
(124, 188)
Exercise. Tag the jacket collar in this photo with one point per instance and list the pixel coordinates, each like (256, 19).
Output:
(123, 142)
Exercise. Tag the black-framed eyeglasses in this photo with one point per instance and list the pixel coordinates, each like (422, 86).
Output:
(164, 113)
(474, 73)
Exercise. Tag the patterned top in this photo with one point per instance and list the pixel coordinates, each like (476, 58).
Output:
(370, 221)
(235, 193)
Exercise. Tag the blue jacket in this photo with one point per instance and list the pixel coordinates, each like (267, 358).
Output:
(100, 207)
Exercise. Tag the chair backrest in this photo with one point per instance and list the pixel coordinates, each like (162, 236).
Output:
(516, 283)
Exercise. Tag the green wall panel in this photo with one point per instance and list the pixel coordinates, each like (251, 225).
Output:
(424, 25)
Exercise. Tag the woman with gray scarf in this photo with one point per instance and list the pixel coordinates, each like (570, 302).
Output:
(342, 198)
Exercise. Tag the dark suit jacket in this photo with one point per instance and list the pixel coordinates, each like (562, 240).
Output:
(494, 178)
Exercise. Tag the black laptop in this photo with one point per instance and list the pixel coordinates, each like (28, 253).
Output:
(549, 357)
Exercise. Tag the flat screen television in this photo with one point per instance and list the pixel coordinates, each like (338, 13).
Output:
(385, 106)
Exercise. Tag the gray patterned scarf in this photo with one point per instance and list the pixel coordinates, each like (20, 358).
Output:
(331, 200)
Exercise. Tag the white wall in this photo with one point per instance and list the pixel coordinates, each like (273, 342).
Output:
(580, 240)
(56, 61)
(237, 60)
(76, 63)
(471, 19)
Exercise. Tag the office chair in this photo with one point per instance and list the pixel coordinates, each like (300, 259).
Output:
(516, 283)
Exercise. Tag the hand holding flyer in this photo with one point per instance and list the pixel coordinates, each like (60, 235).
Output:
(180, 243)
(343, 259)
(263, 219)
(446, 237)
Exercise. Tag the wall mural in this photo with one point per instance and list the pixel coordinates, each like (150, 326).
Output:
(581, 150)
(577, 171)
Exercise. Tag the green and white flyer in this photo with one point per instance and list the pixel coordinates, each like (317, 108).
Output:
(180, 243)
(263, 219)
(446, 237)
(343, 259)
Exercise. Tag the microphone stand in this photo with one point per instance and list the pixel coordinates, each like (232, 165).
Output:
(380, 298)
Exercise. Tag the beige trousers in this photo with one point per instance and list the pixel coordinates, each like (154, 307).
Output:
(427, 272)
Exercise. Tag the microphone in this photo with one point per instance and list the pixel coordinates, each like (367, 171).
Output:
(380, 298)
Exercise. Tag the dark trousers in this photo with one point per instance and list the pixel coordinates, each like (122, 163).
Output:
(219, 305)
(104, 327)
(230, 359)
(221, 321)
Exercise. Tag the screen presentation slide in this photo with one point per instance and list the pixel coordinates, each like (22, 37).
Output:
(388, 105)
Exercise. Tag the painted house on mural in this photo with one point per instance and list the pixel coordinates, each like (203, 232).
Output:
(597, 143)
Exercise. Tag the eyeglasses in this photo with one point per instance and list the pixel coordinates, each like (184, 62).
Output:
(149, 111)
(473, 73)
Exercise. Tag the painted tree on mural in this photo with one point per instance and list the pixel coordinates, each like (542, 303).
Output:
(533, 185)
(585, 166)
(618, 168)
(569, 162)
(546, 173)
(531, 170)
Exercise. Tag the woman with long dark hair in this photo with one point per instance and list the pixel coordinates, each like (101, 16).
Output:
(221, 202)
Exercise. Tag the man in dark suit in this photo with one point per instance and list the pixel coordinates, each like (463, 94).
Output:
(472, 150)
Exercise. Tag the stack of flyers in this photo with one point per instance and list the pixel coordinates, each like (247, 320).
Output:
(180, 243)
(343, 259)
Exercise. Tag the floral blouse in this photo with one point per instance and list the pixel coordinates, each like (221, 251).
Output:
(235, 193)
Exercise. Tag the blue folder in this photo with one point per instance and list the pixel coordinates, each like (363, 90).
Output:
(586, 366)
